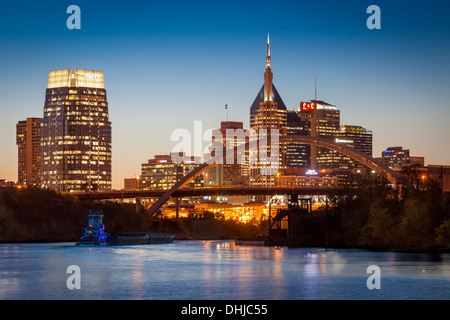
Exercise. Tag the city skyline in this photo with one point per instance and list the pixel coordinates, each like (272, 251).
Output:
(165, 72)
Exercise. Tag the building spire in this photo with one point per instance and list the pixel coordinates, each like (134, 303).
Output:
(268, 91)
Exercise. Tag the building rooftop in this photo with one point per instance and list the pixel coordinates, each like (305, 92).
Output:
(260, 98)
(76, 78)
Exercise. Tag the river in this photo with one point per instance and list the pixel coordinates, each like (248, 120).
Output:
(216, 270)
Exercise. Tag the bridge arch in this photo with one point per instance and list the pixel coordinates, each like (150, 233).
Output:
(357, 155)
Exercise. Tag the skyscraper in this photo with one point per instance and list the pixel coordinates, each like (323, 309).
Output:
(322, 120)
(28, 139)
(267, 114)
(76, 132)
(234, 170)
(297, 154)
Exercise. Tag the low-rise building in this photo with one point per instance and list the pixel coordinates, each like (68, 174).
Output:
(162, 172)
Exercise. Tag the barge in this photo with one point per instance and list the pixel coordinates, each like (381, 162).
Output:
(95, 234)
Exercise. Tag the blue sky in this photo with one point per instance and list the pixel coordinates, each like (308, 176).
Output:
(170, 63)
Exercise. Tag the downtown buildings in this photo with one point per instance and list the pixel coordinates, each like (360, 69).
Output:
(75, 138)
(290, 160)
(272, 162)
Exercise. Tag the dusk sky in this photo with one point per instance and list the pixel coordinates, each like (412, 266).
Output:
(170, 63)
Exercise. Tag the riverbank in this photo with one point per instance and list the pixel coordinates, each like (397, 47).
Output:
(33, 215)
(418, 223)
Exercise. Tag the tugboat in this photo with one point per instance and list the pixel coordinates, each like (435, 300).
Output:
(95, 234)
(94, 229)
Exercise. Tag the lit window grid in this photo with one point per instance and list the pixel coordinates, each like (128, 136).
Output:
(72, 131)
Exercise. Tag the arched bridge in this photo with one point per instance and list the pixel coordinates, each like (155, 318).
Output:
(357, 155)
(365, 159)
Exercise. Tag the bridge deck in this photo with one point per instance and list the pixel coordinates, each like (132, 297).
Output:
(211, 191)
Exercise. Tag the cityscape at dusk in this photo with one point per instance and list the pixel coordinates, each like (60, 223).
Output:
(167, 65)
(225, 150)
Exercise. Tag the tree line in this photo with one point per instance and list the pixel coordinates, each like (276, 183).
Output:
(414, 215)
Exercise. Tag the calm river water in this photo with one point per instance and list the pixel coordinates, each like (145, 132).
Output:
(217, 270)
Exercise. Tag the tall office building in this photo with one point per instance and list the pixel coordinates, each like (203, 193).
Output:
(267, 113)
(76, 132)
(235, 169)
(297, 154)
(322, 120)
(28, 139)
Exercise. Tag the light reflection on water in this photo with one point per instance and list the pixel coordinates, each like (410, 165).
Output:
(217, 270)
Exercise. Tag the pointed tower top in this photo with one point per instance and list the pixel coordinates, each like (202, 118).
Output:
(268, 91)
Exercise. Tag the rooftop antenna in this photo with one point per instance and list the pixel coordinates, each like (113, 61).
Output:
(315, 88)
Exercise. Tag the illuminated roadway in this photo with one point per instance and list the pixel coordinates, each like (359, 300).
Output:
(208, 191)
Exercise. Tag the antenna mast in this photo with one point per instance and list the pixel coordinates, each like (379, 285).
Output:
(315, 88)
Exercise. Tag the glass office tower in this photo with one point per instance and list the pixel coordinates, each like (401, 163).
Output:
(297, 154)
(76, 132)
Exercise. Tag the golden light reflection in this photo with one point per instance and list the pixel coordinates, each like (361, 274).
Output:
(76, 78)
(252, 214)
(249, 213)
